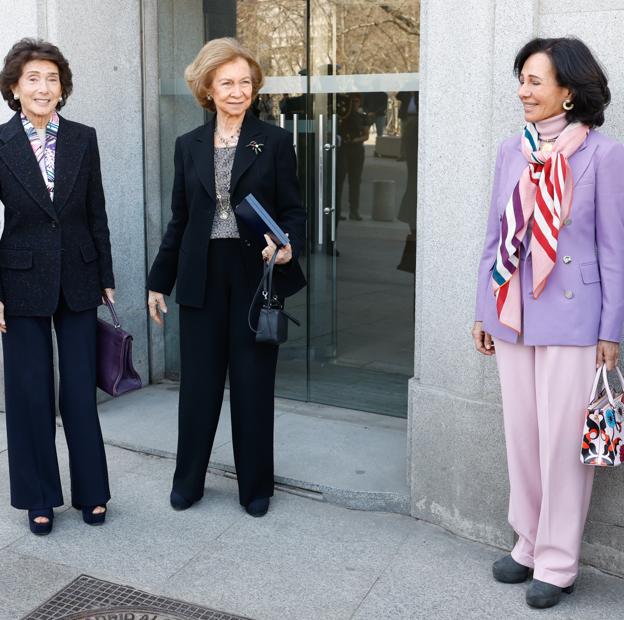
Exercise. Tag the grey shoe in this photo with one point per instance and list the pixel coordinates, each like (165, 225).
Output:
(542, 595)
(507, 570)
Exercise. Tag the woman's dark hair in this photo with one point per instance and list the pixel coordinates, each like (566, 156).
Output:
(575, 68)
(24, 51)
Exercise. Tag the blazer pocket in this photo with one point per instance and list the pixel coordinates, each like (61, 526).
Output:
(16, 259)
(590, 272)
(89, 253)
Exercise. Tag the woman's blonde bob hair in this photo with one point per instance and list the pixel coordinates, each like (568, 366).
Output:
(200, 73)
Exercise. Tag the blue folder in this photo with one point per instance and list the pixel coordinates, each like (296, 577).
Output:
(256, 217)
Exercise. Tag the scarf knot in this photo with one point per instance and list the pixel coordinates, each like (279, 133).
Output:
(540, 201)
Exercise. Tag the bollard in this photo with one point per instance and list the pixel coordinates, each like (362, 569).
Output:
(384, 200)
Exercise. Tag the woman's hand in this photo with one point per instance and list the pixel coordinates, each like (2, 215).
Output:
(607, 352)
(284, 254)
(482, 340)
(109, 293)
(157, 307)
(2, 321)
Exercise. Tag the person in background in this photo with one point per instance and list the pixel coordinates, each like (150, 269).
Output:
(408, 111)
(353, 131)
(217, 264)
(550, 301)
(55, 267)
(375, 105)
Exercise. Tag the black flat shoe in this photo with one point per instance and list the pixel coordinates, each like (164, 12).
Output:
(178, 502)
(542, 595)
(93, 519)
(507, 570)
(41, 529)
(258, 507)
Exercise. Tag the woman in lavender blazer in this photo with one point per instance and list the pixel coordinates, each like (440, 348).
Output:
(550, 301)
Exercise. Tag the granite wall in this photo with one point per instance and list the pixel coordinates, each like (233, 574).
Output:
(456, 463)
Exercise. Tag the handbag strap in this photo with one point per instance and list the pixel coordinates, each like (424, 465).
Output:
(265, 287)
(601, 373)
(109, 305)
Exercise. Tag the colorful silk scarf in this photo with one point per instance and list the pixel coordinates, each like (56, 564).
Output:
(542, 198)
(44, 153)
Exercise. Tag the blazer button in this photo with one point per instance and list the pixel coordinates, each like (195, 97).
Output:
(569, 294)
(567, 221)
(53, 225)
(247, 243)
(567, 260)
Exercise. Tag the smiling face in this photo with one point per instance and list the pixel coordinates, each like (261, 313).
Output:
(541, 96)
(39, 90)
(232, 88)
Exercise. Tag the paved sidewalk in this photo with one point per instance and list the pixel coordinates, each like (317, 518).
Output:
(352, 458)
(307, 559)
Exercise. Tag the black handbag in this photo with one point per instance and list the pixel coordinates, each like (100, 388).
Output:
(273, 320)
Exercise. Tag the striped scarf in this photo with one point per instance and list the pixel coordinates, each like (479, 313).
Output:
(542, 198)
(44, 153)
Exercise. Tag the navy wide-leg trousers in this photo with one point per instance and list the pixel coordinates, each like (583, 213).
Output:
(216, 340)
(30, 409)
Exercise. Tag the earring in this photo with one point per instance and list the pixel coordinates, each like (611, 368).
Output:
(16, 97)
(568, 105)
(60, 100)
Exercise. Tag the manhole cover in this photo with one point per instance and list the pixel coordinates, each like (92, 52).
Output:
(87, 598)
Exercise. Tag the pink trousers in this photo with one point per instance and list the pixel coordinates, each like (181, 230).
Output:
(545, 391)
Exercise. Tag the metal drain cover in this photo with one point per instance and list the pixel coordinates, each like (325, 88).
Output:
(87, 598)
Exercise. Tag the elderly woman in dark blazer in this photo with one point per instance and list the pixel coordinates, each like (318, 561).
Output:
(217, 263)
(550, 301)
(55, 266)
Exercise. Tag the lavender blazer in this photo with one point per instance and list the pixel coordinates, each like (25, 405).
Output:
(584, 297)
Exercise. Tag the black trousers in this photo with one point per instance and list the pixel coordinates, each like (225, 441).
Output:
(215, 340)
(349, 161)
(30, 409)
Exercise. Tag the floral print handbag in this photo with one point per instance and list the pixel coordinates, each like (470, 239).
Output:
(603, 436)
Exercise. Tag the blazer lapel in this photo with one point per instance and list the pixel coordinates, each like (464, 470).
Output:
(71, 145)
(202, 153)
(251, 131)
(579, 161)
(18, 156)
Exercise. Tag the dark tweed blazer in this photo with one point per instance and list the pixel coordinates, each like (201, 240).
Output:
(271, 175)
(47, 246)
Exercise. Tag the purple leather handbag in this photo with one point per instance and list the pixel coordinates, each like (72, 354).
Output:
(115, 373)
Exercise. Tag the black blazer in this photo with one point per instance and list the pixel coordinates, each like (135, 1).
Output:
(45, 245)
(271, 176)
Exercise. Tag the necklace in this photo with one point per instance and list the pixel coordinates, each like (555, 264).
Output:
(222, 209)
(228, 140)
(546, 145)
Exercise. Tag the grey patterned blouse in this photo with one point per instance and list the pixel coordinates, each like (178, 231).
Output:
(224, 222)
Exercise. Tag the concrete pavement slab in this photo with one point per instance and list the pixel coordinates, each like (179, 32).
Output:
(3, 440)
(308, 559)
(357, 459)
(26, 581)
(147, 420)
(10, 611)
(144, 540)
(436, 575)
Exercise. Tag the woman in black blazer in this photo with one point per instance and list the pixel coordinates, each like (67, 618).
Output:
(55, 265)
(217, 264)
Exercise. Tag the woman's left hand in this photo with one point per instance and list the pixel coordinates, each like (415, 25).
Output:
(109, 293)
(284, 254)
(607, 352)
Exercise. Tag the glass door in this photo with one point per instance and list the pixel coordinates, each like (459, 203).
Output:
(363, 64)
(342, 77)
